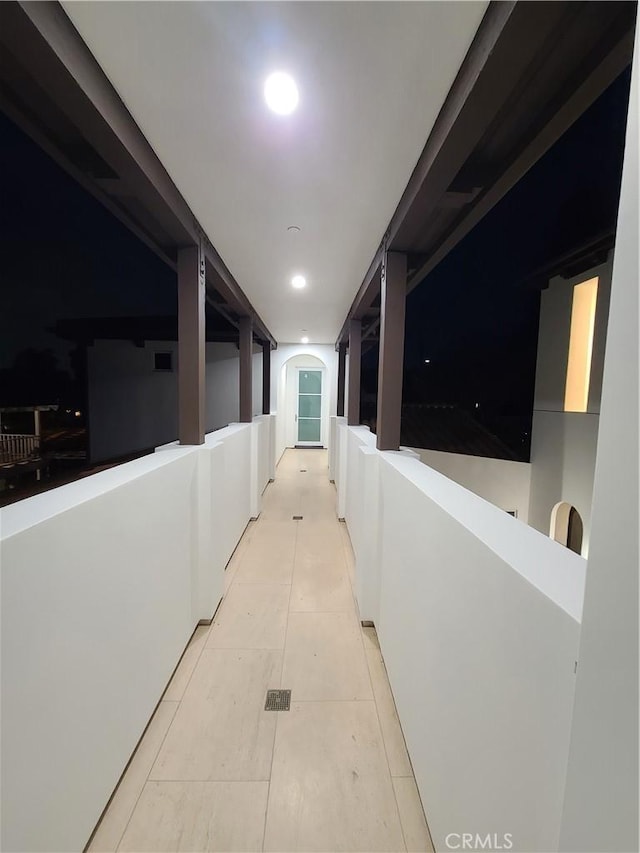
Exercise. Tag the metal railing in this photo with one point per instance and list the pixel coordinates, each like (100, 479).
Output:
(15, 447)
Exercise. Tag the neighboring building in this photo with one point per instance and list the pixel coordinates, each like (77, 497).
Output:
(571, 344)
(132, 384)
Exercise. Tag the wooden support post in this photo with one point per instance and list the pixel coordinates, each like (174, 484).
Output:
(266, 377)
(355, 349)
(191, 345)
(342, 364)
(393, 296)
(246, 372)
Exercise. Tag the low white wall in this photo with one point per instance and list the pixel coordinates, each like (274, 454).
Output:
(478, 618)
(133, 407)
(502, 482)
(103, 582)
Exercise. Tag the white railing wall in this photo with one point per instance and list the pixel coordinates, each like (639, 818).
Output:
(103, 582)
(15, 447)
(478, 618)
(502, 482)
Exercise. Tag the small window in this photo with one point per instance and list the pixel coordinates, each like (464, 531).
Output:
(163, 361)
(583, 315)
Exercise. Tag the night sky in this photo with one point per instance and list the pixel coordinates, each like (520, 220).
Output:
(63, 255)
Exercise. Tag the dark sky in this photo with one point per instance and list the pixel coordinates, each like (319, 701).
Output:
(63, 255)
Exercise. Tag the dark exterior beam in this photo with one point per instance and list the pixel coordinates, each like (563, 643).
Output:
(615, 61)
(225, 284)
(530, 72)
(355, 348)
(365, 296)
(393, 298)
(56, 56)
(342, 364)
(484, 41)
(266, 378)
(54, 88)
(246, 372)
(191, 346)
(460, 123)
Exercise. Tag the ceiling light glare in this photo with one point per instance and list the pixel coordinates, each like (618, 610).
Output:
(298, 281)
(281, 93)
(304, 340)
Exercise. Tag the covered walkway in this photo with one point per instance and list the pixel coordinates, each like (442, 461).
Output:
(214, 770)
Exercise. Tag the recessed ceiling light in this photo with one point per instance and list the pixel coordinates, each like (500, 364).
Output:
(427, 361)
(281, 93)
(298, 281)
(304, 340)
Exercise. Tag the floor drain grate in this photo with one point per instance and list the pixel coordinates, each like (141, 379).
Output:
(297, 517)
(278, 700)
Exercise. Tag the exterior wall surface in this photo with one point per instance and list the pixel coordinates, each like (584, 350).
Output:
(601, 801)
(503, 483)
(563, 445)
(133, 407)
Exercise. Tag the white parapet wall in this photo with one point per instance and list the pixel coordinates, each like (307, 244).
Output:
(478, 618)
(103, 582)
(502, 482)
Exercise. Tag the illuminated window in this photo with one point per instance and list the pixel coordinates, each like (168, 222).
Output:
(583, 315)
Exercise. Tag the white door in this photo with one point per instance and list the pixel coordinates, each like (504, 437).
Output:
(309, 407)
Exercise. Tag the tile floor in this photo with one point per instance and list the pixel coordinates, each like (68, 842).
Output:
(215, 771)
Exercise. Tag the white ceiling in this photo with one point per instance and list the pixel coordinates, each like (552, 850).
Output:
(372, 77)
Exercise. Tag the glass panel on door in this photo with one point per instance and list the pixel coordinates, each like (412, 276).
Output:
(309, 405)
(309, 408)
(308, 430)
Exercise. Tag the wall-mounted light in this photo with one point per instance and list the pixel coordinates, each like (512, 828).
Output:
(298, 281)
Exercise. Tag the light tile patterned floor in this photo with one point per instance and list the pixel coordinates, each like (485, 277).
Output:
(214, 771)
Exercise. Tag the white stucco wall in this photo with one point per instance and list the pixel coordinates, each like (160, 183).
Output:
(502, 482)
(103, 581)
(563, 444)
(487, 611)
(132, 407)
(601, 801)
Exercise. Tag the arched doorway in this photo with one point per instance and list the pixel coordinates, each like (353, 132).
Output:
(566, 526)
(289, 403)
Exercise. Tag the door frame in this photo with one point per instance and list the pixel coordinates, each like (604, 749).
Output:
(322, 370)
